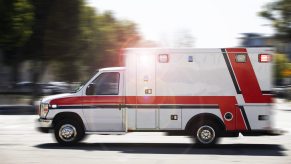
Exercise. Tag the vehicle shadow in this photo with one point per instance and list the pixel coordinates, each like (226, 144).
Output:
(173, 148)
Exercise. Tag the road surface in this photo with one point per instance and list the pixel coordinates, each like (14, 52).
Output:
(20, 143)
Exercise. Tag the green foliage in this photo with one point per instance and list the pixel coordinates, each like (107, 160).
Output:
(16, 18)
(279, 13)
(55, 36)
(81, 40)
(55, 30)
(66, 34)
(281, 64)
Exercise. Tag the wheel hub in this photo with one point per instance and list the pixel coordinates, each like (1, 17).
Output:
(67, 132)
(205, 134)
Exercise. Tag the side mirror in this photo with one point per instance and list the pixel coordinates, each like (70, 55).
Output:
(91, 89)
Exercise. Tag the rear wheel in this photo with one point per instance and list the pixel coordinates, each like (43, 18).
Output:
(68, 132)
(205, 133)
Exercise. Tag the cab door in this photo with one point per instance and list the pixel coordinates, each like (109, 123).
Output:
(103, 102)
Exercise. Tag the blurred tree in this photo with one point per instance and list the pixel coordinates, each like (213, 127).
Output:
(279, 13)
(102, 38)
(55, 35)
(281, 64)
(66, 34)
(116, 35)
(16, 19)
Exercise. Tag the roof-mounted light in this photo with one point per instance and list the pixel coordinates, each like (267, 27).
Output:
(265, 58)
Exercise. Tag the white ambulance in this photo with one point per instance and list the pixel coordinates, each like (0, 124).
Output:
(203, 93)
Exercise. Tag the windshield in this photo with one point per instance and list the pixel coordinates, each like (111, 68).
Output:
(85, 82)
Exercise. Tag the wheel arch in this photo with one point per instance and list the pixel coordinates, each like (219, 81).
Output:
(204, 117)
(68, 115)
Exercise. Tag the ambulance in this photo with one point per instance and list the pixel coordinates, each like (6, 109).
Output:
(202, 93)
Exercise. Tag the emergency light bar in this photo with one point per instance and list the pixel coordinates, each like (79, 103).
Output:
(265, 58)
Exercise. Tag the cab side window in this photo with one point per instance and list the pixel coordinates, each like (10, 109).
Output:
(104, 84)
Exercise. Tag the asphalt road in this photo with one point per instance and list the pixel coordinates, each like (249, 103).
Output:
(21, 143)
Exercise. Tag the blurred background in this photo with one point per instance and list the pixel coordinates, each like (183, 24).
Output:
(51, 46)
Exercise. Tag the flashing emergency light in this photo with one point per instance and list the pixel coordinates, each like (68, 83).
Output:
(265, 58)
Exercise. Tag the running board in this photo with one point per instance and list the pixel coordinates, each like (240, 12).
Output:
(107, 133)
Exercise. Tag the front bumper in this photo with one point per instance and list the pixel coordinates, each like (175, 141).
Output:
(44, 125)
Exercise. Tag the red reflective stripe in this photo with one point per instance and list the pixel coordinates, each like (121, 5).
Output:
(67, 101)
(87, 100)
(246, 78)
(145, 100)
(177, 99)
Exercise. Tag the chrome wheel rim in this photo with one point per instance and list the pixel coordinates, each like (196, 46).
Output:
(67, 132)
(205, 134)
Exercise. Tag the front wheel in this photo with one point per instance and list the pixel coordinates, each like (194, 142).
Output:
(205, 133)
(68, 132)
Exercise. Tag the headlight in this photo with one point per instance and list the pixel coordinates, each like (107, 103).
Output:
(44, 108)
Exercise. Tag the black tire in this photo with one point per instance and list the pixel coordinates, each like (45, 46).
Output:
(205, 133)
(68, 132)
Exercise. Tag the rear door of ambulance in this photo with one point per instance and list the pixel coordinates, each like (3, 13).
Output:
(252, 70)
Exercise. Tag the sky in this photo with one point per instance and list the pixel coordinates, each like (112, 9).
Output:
(212, 23)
